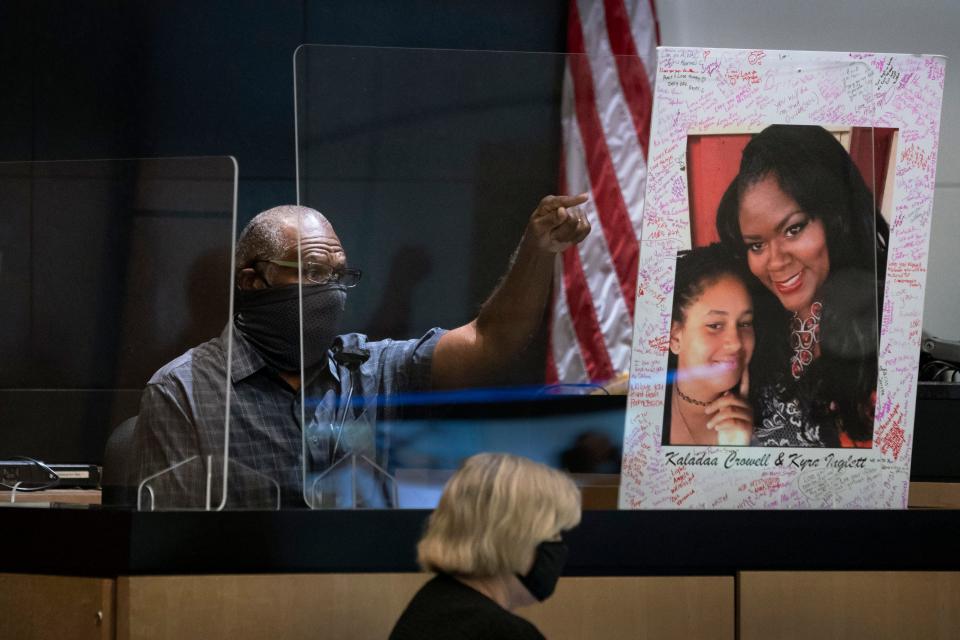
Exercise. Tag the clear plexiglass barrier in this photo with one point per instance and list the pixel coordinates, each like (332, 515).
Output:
(428, 165)
(111, 269)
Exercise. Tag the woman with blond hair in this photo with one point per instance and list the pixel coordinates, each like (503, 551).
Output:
(495, 544)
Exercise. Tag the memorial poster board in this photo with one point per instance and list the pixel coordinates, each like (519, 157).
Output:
(783, 258)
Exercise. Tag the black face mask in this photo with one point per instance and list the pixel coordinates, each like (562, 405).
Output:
(270, 320)
(548, 561)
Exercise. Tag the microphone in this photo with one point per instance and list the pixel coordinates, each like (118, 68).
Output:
(351, 358)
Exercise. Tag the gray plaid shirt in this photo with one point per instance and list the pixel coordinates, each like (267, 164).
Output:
(180, 433)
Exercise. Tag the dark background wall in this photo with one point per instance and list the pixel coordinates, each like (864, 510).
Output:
(100, 79)
(92, 79)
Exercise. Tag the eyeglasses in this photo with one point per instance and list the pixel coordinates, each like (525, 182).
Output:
(322, 274)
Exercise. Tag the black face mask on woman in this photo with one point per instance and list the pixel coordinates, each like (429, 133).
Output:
(270, 320)
(548, 561)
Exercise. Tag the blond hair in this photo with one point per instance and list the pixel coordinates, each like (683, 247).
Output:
(493, 513)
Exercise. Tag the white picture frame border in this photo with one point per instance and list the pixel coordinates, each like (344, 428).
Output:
(699, 89)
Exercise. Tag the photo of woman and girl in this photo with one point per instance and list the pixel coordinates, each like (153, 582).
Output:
(796, 364)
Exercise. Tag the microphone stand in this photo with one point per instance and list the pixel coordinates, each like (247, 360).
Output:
(352, 359)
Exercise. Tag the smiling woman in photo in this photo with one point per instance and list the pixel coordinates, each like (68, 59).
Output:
(801, 218)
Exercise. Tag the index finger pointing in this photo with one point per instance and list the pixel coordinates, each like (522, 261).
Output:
(745, 382)
(568, 201)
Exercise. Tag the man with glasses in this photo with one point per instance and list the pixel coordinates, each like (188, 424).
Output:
(307, 401)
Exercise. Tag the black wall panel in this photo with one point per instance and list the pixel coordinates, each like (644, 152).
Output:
(86, 79)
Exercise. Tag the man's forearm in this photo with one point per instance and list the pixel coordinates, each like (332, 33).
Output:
(478, 351)
(512, 314)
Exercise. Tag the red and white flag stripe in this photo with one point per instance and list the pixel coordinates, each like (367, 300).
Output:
(607, 102)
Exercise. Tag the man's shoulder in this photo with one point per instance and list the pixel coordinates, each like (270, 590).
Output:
(210, 353)
(394, 365)
(362, 341)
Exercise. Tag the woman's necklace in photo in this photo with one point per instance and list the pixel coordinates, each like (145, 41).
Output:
(683, 418)
(699, 403)
(804, 336)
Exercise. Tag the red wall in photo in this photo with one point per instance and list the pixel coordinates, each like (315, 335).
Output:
(712, 163)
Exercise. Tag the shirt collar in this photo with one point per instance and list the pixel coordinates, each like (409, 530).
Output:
(245, 361)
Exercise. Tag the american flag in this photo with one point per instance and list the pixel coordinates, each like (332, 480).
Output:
(607, 103)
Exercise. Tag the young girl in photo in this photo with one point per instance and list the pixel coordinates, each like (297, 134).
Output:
(711, 345)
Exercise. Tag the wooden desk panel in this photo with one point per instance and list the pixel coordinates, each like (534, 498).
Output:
(775, 604)
(363, 606)
(66, 496)
(349, 606)
(934, 495)
(637, 608)
(598, 491)
(850, 605)
(55, 607)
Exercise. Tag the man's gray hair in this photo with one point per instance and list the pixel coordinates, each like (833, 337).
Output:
(263, 237)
